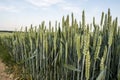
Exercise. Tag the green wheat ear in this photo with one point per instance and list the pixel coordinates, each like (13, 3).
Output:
(93, 21)
(102, 64)
(83, 20)
(67, 21)
(87, 65)
(102, 17)
(96, 55)
(78, 46)
(66, 52)
(72, 19)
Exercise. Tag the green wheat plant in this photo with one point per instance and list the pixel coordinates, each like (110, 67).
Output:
(70, 50)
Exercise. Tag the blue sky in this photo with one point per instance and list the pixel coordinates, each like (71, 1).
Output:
(20, 13)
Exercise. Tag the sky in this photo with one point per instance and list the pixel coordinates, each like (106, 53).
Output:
(15, 14)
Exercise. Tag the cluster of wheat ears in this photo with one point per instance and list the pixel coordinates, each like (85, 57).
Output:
(70, 50)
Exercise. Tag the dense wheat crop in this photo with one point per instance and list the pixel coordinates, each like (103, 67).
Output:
(70, 50)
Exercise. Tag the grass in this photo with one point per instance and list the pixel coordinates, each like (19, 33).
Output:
(12, 67)
(5, 56)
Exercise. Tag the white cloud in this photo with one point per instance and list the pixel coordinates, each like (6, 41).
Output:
(44, 3)
(9, 8)
(85, 0)
(70, 8)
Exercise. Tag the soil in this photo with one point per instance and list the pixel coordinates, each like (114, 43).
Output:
(4, 75)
